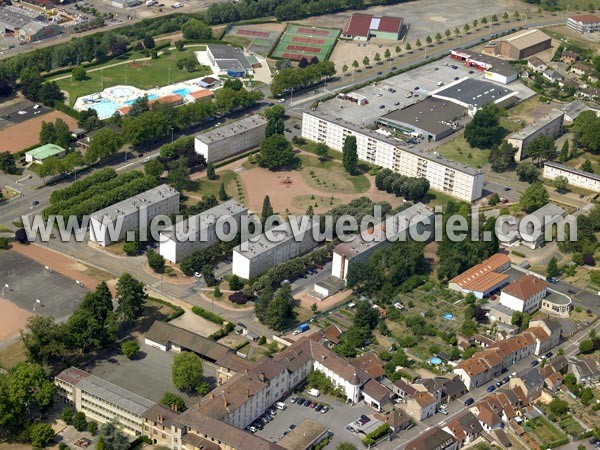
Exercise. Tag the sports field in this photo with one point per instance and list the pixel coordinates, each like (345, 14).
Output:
(256, 38)
(302, 41)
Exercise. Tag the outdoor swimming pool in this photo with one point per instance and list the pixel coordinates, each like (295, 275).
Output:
(183, 91)
(150, 97)
(120, 92)
(105, 108)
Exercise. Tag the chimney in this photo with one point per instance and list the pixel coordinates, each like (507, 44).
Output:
(211, 395)
(225, 402)
(160, 419)
(261, 376)
(247, 393)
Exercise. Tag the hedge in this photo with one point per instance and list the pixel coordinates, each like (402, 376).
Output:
(221, 333)
(177, 310)
(377, 434)
(208, 315)
(83, 184)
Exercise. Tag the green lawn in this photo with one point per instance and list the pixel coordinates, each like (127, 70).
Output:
(459, 150)
(233, 187)
(543, 431)
(330, 176)
(142, 74)
(571, 426)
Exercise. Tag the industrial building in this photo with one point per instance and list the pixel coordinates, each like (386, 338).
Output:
(454, 179)
(231, 139)
(584, 23)
(200, 231)
(520, 45)
(473, 94)
(100, 400)
(484, 278)
(228, 60)
(361, 27)
(494, 69)
(576, 177)
(549, 125)
(25, 25)
(277, 245)
(111, 224)
(415, 219)
(433, 119)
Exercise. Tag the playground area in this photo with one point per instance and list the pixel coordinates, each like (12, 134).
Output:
(255, 38)
(301, 41)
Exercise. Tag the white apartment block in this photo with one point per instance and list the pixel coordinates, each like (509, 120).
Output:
(279, 244)
(577, 178)
(584, 23)
(100, 400)
(201, 231)
(524, 294)
(549, 125)
(231, 139)
(111, 224)
(456, 180)
(416, 218)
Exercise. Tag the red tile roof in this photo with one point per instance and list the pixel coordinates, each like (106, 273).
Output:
(173, 98)
(586, 18)
(204, 93)
(390, 24)
(525, 287)
(483, 276)
(358, 25)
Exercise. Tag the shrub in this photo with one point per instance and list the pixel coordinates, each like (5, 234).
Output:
(130, 348)
(208, 315)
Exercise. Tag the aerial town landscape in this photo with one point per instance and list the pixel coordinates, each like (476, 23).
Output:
(299, 224)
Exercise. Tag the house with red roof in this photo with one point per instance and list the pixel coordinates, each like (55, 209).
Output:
(361, 27)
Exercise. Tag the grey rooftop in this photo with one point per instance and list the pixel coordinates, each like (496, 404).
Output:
(231, 129)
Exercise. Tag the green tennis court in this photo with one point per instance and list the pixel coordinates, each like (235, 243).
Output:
(302, 41)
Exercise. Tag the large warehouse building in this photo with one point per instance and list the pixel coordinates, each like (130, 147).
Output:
(495, 69)
(361, 27)
(230, 139)
(520, 45)
(454, 179)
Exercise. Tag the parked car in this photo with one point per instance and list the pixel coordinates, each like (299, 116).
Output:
(443, 411)
(505, 380)
(307, 403)
(549, 355)
(491, 388)
(350, 428)
(365, 418)
(313, 404)
(469, 402)
(292, 426)
(379, 73)
(293, 399)
(571, 291)
(252, 429)
(325, 409)
(534, 363)
(319, 407)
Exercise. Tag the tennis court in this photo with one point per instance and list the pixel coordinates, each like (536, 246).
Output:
(302, 41)
(256, 41)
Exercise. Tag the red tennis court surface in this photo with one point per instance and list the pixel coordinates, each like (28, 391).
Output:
(303, 48)
(292, 56)
(312, 31)
(308, 40)
(262, 34)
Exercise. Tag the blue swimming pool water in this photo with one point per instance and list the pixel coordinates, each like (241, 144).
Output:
(435, 360)
(150, 97)
(105, 108)
(448, 316)
(183, 91)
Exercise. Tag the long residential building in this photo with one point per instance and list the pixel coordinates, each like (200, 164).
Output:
(277, 245)
(454, 179)
(584, 23)
(111, 224)
(231, 139)
(201, 231)
(397, 227)
(100, 400)
(576, 177)
(549, 125)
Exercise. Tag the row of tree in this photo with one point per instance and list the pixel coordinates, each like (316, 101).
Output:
(294, 79)
(411, 188)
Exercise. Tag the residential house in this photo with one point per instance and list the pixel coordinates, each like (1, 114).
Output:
(569, 57)
(536, 64)
(403, 389)
(453, 389)
(376, 395)
(582, 69)
(156, 424)
(370, 363)
(421, 405)
(525, 294)
(465, 428)
(397, 419)
(552, 75)
(586, 370)
(433, 439)
(488, 417)
(530, 381)
(547, 334)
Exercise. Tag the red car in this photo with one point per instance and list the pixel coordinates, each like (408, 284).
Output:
(313, 404)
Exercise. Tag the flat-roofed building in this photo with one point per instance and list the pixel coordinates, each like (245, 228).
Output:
(361, 27)
(557, 304)
(484, 278)
(275, 246)
(228, 60)
(231, 139)
(576, 177)
(111, 224)
(473, 94)
(200, 231)
(102, 401)
(525, 294)
(533, 234)
(494, 69)
(549, 125)
(39, 154)
(584, 23)
(520, 45)
(416, 218)
(431, 118)
(454, 179)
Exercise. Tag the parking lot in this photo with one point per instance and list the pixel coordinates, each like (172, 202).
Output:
(16, 111)
(405, 89)
(336, 419)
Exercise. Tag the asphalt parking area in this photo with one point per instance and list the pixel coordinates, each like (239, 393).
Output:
(336, 419)
(17, 112)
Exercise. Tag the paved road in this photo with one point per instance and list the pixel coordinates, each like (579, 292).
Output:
(571, 348)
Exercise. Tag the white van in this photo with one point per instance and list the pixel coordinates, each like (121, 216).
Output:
(314, 392)
(280, 405)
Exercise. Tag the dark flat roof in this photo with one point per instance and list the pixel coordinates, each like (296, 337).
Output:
(473, 92)
(499, 66)
(429, 114)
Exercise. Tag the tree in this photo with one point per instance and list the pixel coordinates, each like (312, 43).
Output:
(345, 69)
(210, 172)
(355, 64)
(438, 37)
(587, 166)
(67, 415)
(139, 106)
(448, 33)
(517, 16)
(350, 155)
(346, 446)
(475, 23)
(428, 40)
(484, 20)
(7, 163)
(586, 346)
(149, 41)
(217, 292)
(155, 261)
(456, 31)
(173, 401)
(179, 45)
(274, 126)
(105, 143)
(366, 316)
(528, 172)
(408, 47)
(398, 49)
(179, 174)
(267, 210)
(322, 150)
(235, 282)
(79, 73)
(534, 197)
(187, 371)
(387, 54)
(281, 308)
(276, 152)
(130, 348)
(131, 298)
(586, 131)
(43, 339)
(79, 421)
(377, 57)
(484, 130)
(154, 168)
(564, 152)
(466, 28)
(131, 248)
(505, 16)
(112, 436)
(196, 29)
(542, 148)
(502, 158)
(41, 434)
(561, 184)
(558, 407)
(366, 61)
(552, 268)
(222, 194)
(418, 43)
(494, 18)
(494, 199)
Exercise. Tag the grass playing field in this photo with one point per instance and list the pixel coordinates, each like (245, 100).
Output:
(305, 41)
(144, 74)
